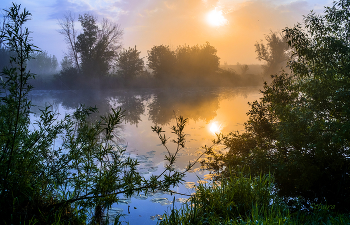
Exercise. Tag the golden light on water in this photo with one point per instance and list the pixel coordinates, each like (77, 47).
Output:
(216, 18)
(215, 127)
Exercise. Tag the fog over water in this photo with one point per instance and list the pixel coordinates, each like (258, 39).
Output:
(208, 110)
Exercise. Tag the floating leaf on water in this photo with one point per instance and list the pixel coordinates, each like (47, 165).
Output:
(162, 201)
(189, 185)
(124, 201)
(112, 212)
(157, 216)
(157, 194)
(196, 169)
(182, 200)
(210, 176)
(202, 181)
(141, 197)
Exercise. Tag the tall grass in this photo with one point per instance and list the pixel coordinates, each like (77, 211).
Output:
(244, 200)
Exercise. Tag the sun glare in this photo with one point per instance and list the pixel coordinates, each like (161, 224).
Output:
(215, 128)
(216, 18)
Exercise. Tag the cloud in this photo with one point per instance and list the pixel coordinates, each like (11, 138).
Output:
(61, 7)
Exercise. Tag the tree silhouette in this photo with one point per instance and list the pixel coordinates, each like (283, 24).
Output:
(129, 64)
(274, 53)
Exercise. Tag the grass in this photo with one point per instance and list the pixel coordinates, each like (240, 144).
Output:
(245, 200)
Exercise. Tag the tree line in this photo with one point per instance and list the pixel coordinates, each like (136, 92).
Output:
(95, 59)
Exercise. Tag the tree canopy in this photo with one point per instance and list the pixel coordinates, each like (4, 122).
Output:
(185, 65)
(92, 51)
(129, 64)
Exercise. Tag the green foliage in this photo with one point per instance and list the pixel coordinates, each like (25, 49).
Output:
(197, 60)
(299, 129)
(241, 199)
(97, 45)
(162, 61)
(43, 182)
(185, 66)
(129, 64)
(232, 201)
(173, 175)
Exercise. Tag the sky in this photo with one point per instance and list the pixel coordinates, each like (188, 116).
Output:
(231, 26)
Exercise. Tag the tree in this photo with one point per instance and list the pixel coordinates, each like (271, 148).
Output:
(42, 63)
(66, 63)
(74, 183)
(299, 129)
(197, 61)
(97, 47)
(70, 35)
(129, 64)
(185, 66)
(162, 61)
(92, 51)
(274, 53)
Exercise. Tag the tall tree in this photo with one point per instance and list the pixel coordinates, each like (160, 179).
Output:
(86, 43)
(70, 35)
(97, 46)
(93, 50)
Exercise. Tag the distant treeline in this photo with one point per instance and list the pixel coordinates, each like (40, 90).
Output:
(186, 66)
(95, 60)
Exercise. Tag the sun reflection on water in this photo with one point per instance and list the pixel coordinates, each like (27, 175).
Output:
(215, 127)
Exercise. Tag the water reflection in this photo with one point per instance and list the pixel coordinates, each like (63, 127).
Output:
(209, 111)
(193, 104)
(215, 127)
(132, 104)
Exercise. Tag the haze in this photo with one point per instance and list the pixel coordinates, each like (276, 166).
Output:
(154, 22)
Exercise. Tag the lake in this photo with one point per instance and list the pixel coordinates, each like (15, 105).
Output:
(209, 111)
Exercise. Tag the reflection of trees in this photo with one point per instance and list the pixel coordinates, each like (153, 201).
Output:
(196, 104)
(192, 104)
(131, 102)
(133, 106)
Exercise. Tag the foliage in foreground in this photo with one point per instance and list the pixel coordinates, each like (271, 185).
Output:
(245, 200)
(299, 130)
(43, 181)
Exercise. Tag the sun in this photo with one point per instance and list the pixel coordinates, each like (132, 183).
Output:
(215, 128)
(216, 18)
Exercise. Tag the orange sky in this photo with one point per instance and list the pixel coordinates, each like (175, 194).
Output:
(184, 22)
(173, 22)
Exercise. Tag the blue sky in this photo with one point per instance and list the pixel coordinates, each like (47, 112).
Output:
(173, 22)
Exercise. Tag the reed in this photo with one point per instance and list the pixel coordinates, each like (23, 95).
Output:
(242, 199)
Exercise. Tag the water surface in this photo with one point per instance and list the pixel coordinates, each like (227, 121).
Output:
(209, 110)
